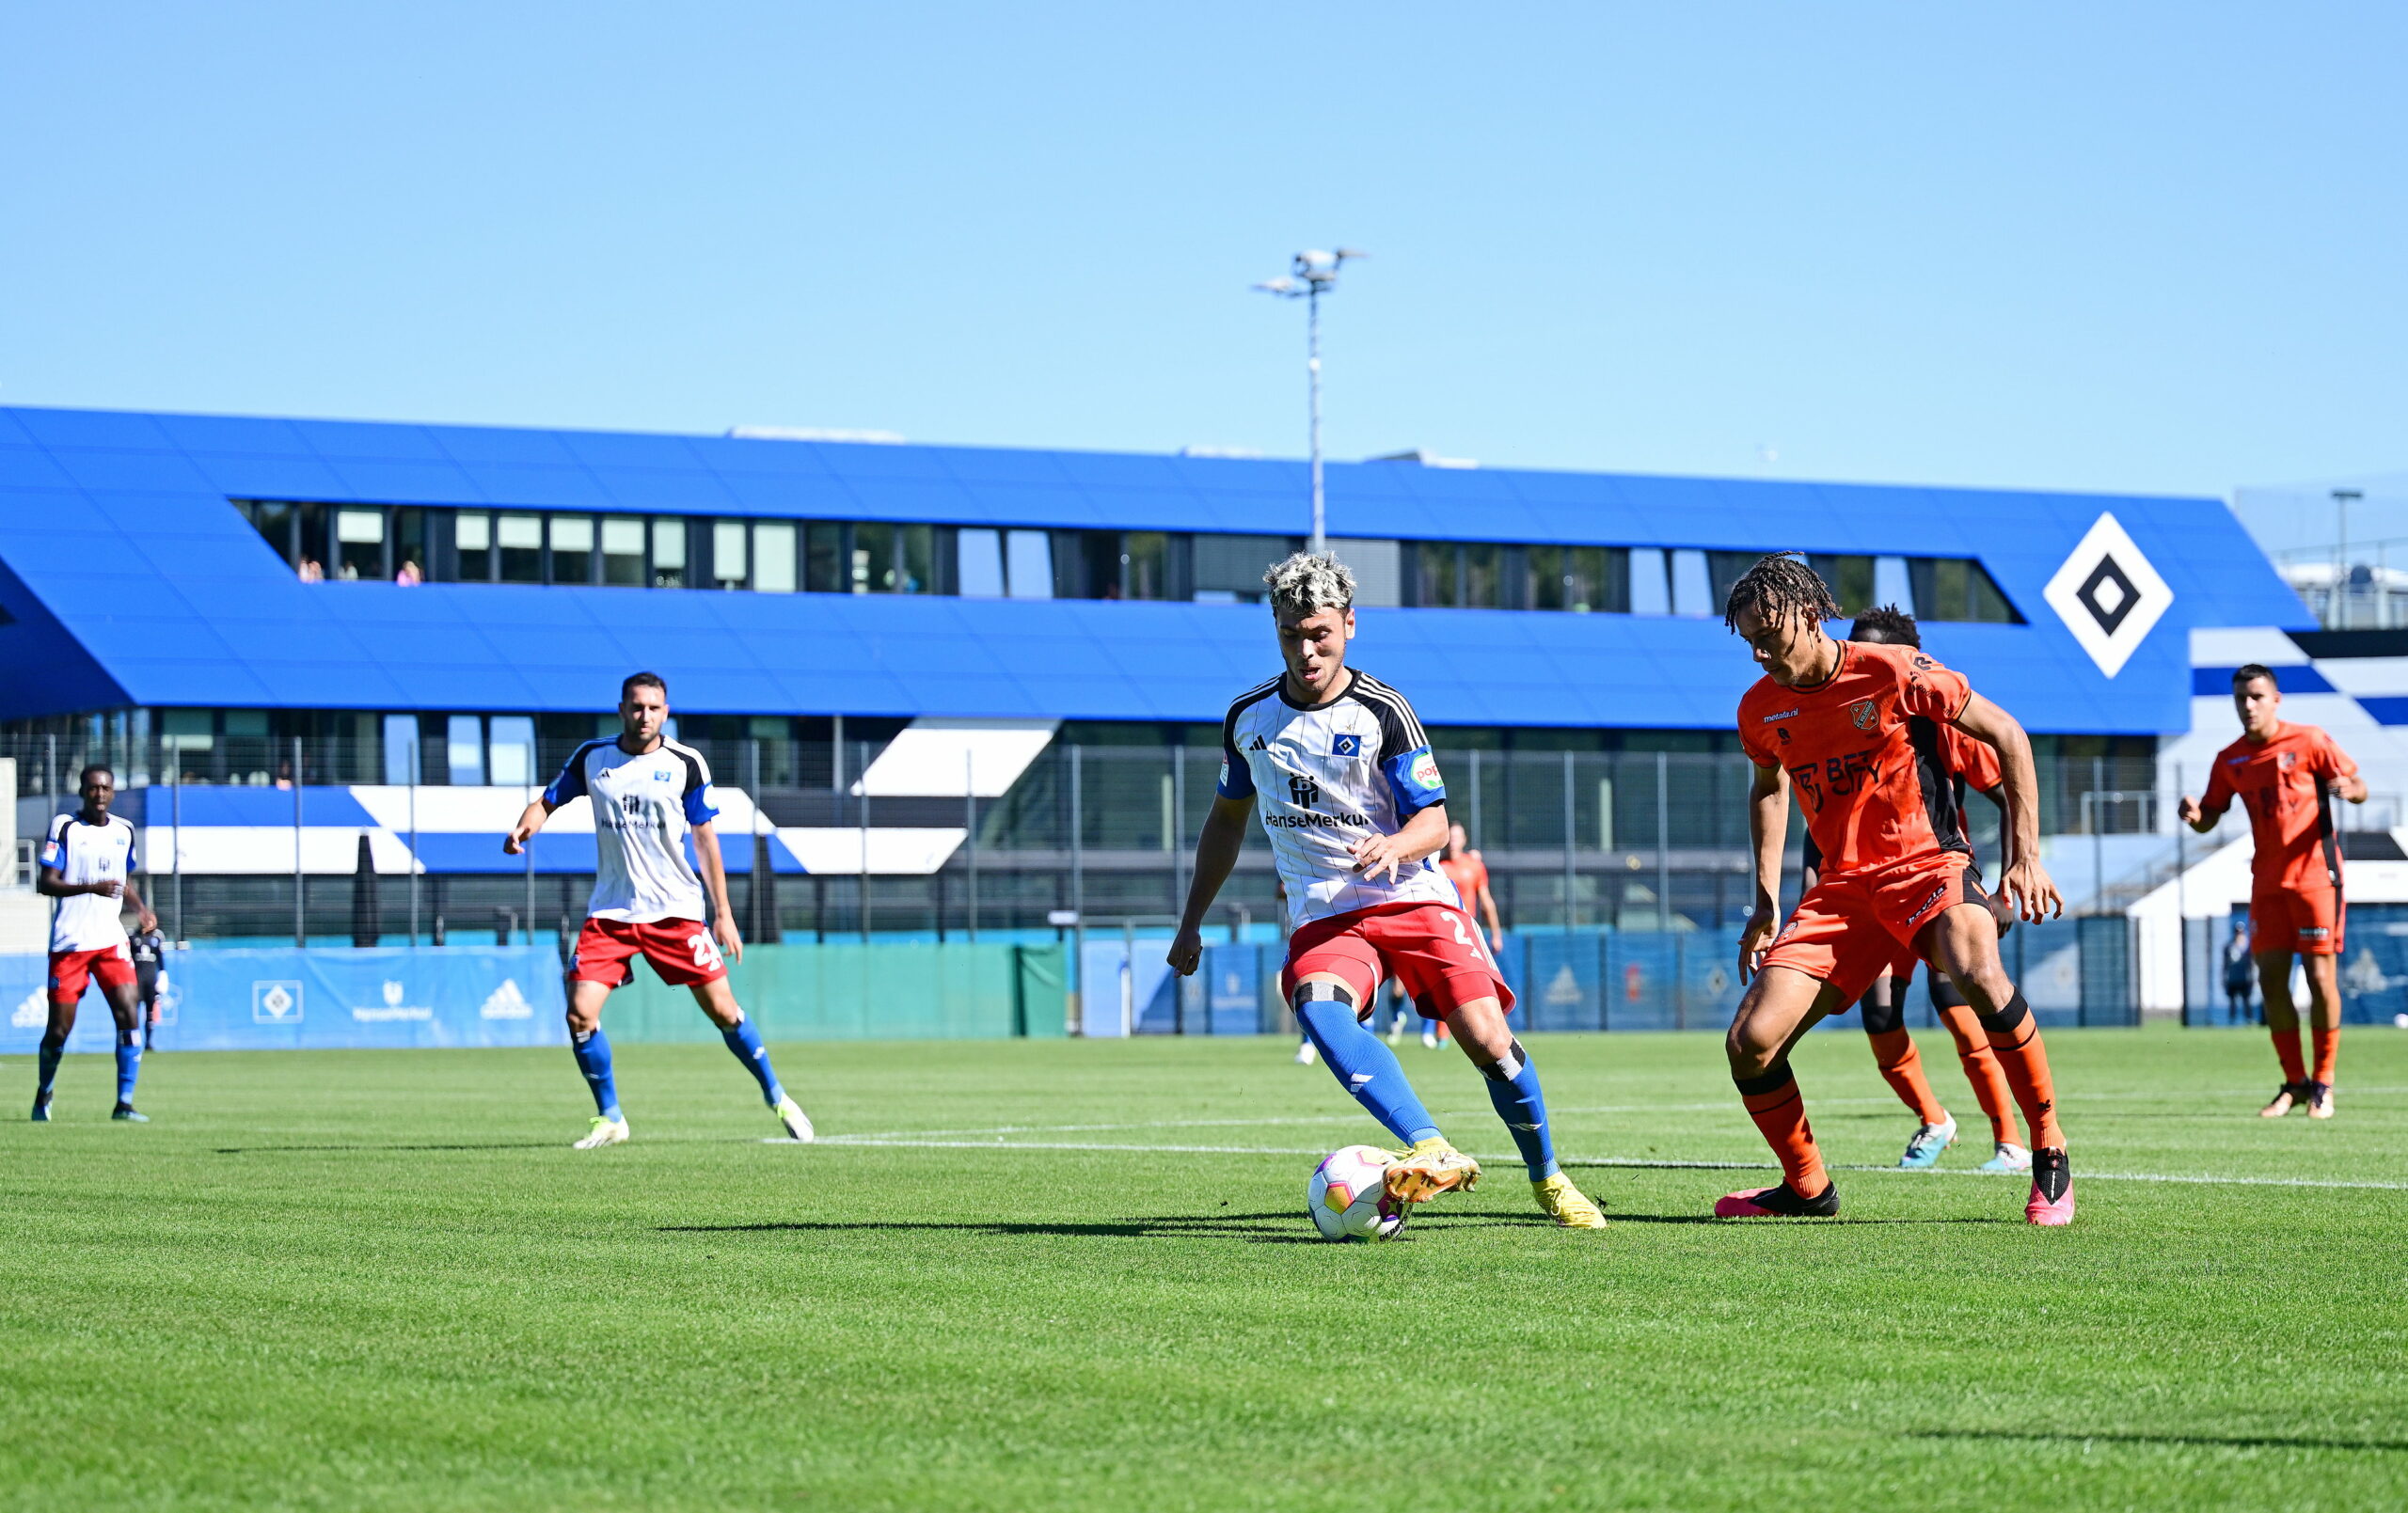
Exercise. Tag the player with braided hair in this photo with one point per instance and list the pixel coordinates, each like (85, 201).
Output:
(1838, 722)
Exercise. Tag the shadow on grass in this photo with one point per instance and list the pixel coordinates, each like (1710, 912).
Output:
(1254, 1229)
(2212, 1442)
(488, 1146)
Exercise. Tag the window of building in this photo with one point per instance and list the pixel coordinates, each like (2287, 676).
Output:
(773, 557)
(1851, 579)
(1579, 579)
(669, 554)
(1377, 566)
(472, 542)
(411, 563)
(1028, 564)
(1145, 564)
(359, 544)
(1229, 569)
(622, 551)
(463, 750)
(826, 560)
(513, 750)
(1956, 588)
(728, 566)
(873, 558)
(915, 562)
(979, 565)
(520, 542)
(572, 548)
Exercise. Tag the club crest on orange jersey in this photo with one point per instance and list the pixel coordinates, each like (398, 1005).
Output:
(1866, 714)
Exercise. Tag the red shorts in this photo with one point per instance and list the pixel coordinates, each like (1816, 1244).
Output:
(1848, 931)
(682, 953)
(2307, 921)
(1435, 954)
(111, 966)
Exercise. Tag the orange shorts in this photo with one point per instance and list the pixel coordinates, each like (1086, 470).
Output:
(2307, 921)
(1435, 954)
(682, 953)
(109, 966)
(1847, 931)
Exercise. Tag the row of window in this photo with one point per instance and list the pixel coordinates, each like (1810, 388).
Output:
(412, 544)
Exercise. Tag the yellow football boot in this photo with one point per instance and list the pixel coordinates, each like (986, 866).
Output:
(1567, 1205)
(1430, 1167)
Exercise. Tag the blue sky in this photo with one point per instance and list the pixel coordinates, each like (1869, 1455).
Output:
(2148, 247)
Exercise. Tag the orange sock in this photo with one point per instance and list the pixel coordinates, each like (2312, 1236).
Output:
(1981, 1069)
(2328, 1050)
(2287, 1051)
(2014, 1037)
(1894, 1051)
(1779, 1110)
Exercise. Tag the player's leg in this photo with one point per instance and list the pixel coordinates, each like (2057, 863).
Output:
(1963, 939)
(2008, 1150)
(1488, 1041)
(54, 1042)
(592, 1049)
(2323, 1028)
(125, 1007)
(2282, 1015)
(716, 998)
(1884, 1007)
(1781, 1005)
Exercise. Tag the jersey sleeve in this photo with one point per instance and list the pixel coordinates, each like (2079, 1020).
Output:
(1757, 751)
(2331, 761)
(1237, 779)
(1932, 690)
(54, 848)
(2219, 794)
(699, 808)
(133, 849)
(1405, 758)
(570, 783)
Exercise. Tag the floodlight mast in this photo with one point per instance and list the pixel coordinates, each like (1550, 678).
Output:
(1315, 274)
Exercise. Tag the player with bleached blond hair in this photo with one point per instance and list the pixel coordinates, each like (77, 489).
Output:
(1342, 772)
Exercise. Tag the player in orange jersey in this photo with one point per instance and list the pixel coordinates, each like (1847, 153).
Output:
(1956, 762)
(1468, 871)
(1836, 721)
(2285, 775)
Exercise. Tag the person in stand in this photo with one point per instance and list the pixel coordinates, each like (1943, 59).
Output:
(2240, 972)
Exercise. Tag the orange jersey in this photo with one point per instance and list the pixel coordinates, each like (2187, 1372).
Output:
(1469, 875)
(2285, 783)
(1871, 788)
(1972, 760)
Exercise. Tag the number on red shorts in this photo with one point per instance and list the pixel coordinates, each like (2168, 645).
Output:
(705, 949)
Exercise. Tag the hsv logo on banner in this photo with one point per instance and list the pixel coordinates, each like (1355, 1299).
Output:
(2108, 594)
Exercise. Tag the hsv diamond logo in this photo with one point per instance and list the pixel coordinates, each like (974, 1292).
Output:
(2108, 594)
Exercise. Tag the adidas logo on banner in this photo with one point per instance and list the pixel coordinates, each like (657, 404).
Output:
(31, 1015)
(507, 1003)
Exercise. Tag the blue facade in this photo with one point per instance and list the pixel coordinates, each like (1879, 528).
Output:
(128, 579)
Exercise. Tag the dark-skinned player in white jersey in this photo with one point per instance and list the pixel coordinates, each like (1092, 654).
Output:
(1355, 808)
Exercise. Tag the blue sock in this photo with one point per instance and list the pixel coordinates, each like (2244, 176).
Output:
(51, 1052)
(1513, 1088)
(593, 1059)
(1366, 1067)
(129, 1063)
(745, 1042)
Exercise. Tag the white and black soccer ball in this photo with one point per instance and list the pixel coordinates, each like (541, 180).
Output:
(1348, 1196)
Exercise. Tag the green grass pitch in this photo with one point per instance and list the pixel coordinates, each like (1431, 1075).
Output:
(380, 1279)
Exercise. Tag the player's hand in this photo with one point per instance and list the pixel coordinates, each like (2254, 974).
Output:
(1753, 942)
(1496, 940)
(2028, 887)
(515, 842)
(148, 921)
(731, 944)
(2189, 811)
(1376, 853)
(106, 887)
(1186, 950)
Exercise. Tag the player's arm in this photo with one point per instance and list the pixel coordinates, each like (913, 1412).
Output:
(1422, 836)
(714, 871)
(1488, 912)
(146, 920)
(569, 785)
(49, 877)
(1767, 830)
(2341, 772)
(2022, 881)
(1216, 853)
(2205, 814)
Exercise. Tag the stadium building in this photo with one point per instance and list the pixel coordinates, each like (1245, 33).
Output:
(952, 689)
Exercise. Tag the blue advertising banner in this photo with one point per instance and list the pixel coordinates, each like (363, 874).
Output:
(321, 999)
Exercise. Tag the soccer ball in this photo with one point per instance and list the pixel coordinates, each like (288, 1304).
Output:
(1348, 1196)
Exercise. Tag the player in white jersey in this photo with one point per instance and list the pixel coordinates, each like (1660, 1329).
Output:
(88, 863)
(1353, 801)
(649, 794)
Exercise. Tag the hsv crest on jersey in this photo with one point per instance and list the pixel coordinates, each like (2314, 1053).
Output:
(1347, 746)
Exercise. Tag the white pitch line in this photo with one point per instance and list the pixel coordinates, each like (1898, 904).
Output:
(1585, 1160)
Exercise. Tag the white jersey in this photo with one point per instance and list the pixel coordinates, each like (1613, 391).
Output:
(643, 807)
(84, 853)
(1325, 776)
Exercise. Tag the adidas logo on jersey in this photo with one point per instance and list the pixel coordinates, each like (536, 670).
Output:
(506, 1002)
(1258, 745)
